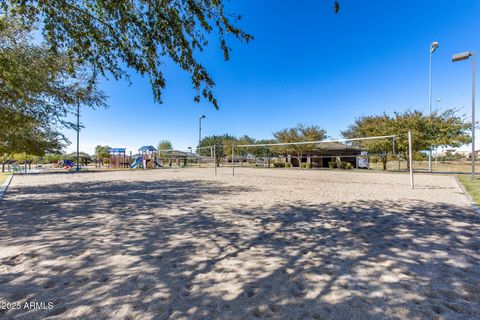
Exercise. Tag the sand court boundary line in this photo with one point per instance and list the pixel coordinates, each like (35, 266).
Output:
(4, 187)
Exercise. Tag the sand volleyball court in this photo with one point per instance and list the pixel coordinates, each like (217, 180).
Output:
(277, 244)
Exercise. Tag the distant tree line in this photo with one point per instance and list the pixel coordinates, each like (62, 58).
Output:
(428, 131)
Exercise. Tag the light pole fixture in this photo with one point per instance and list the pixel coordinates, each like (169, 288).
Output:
(437, 101)
(433, 47)
(200, 129)
(459, 57)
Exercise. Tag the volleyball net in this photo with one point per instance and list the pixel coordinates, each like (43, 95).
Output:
(360, 153)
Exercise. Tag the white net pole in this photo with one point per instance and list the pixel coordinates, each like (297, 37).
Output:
(412, 185)
(212, 155)
(233, 161)
(215, 160)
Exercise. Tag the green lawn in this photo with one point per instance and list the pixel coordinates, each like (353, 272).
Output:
(472, 186)
(3, 177)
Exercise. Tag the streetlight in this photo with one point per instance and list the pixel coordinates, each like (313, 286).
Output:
(459, 57)
(433, 47)
(437, 101)
(200, 129)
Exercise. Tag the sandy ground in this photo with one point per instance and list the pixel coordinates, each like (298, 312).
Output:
(280, 244)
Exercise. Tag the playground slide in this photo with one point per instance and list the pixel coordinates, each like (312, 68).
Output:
(136, 163)
(68, 164)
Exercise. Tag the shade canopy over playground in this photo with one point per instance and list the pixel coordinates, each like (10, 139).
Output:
(117, 150)
(147, 148)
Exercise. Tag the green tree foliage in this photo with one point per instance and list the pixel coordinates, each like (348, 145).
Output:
(164, 145)
(373, 126)
(84, 157)
(223, 144)
(115, 36)
(22, 133)
(438, 129)
(53, 157)
(264, 152)
(298, 134)
(102, 152)
(36, 93)
(36, 81)
(243, 140)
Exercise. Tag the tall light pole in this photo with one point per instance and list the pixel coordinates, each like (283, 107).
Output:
(433, 47)
(200, 129)
(437, 101)
(464, 56)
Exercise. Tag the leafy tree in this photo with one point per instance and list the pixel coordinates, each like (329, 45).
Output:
(222, 146)
(35, 81)
(115, 36)
(102, 152)
(245, 139)
(373, 126)
(25, 134)
(85, 158)
(298, 134)
(164, 145)
(438, 129)
(441, 129)
(449, 129)
(36, 93)
(53, 157)
(264, 151)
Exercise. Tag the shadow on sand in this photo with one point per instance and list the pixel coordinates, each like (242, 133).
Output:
(182, 250)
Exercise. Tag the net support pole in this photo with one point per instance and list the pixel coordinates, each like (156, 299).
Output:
(410, 161)
(214, 157)
(233, 161)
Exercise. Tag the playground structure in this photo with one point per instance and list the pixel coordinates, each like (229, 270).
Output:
(149, 157)
(146, 158)
(68, 164)
(118, 158)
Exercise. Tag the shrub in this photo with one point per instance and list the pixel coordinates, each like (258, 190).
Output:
(348, 166)
(306, 165)
(279, 164)
(341, 165)
(332, 164)
(288, 165)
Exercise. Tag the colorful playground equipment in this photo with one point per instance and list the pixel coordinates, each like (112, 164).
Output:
(137, 163)
(67, 164)
(146, 158)
(118, 158)
(149, 157)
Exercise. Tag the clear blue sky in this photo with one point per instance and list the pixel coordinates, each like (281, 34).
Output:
(305, 65)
